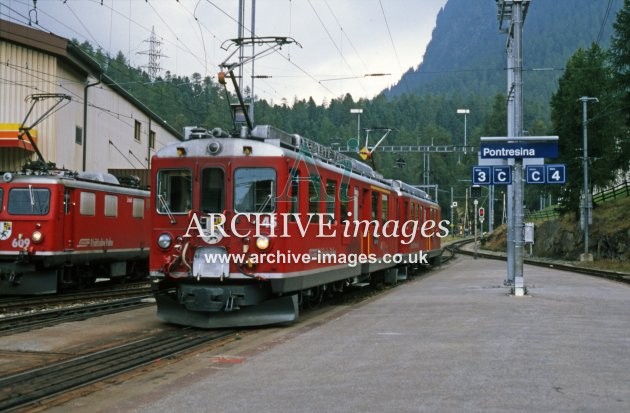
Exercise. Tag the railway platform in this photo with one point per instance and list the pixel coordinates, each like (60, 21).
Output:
(451, 341)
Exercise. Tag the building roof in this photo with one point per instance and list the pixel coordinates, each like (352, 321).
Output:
(35, 39)
(61, 47)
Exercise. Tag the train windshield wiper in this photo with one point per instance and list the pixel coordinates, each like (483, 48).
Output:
(166, 208)
(30, 193)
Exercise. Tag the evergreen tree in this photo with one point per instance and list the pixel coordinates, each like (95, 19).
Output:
(620, 57)
(620, 60)
(586, 74)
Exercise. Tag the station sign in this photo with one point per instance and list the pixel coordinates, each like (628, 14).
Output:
(546, 174)
(492, 175)
(482, 175)
(505, 150)
(501, 175)
(556, 174)
(535, 174)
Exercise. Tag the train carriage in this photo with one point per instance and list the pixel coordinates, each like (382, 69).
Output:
(60, 229)
(245, 228)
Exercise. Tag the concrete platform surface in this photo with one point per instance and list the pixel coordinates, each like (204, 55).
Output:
(453, 341)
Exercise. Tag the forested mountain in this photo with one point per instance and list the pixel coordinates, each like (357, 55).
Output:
(463, 67)
(467, 57)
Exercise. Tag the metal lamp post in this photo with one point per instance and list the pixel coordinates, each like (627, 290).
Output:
(465, 112)
(358, 112)
(586, 198)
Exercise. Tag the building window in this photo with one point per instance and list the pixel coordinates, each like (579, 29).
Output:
(136, 130)
(152, 139)
(78, 135)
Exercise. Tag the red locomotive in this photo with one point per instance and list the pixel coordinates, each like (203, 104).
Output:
(64, 229)
(245, 228)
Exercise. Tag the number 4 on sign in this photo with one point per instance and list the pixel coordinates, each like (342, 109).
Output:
(556, 174)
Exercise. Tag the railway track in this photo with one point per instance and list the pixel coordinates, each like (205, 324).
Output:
(457, 247)
(16, 305)
(19, 314)
(29, 387)
(30, 321)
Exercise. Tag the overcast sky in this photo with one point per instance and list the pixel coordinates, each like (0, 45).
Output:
(341, 41)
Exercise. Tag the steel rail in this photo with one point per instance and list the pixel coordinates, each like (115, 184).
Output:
(26, 388)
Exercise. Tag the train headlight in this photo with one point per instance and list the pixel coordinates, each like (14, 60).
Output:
(214, 148)
(263, 243)
(164, 241)
(37, 237)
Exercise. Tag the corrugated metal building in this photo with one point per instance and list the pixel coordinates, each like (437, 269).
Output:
(100, 128)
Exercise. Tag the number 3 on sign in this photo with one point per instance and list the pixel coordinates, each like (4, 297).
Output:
(481, 175)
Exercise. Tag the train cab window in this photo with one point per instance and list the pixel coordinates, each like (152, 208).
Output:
(254, 190)
(111, 206)
(331, 200)
(87, 203)
(212, 190)
(174, 191)
(28, 201)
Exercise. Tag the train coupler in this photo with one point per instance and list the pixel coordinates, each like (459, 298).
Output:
(231, 303)
(14, 279)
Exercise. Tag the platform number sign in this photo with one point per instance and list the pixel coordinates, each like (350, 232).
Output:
(556, 174)
(535, 174)
(492, 175)
(482, 175)
(546, 174)
(501, 175)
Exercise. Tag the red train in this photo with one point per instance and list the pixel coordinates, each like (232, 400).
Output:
(245, 228)
(62, 229)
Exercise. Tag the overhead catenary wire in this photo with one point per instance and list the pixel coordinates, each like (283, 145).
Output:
(146, 29)
(391, 39)
(180, 15)
(604, 21)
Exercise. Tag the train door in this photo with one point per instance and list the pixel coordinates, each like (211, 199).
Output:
(365, 212)
(403, 214)
(426, 215)
(365, 215)
(67, 219)
(346, 205)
